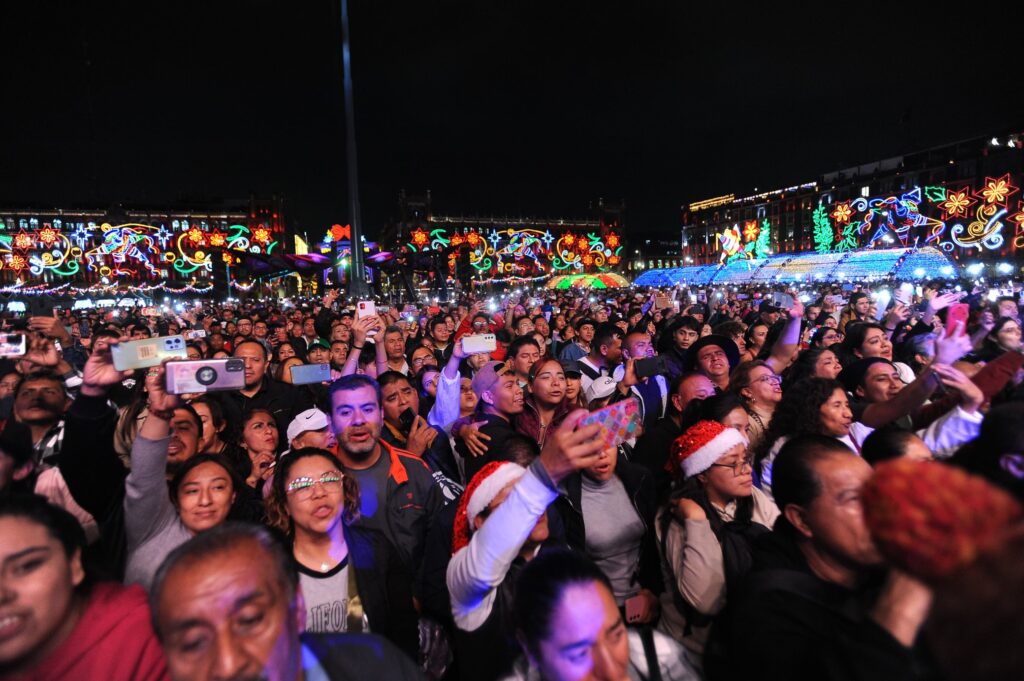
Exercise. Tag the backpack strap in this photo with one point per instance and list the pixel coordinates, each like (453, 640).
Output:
(692, 616)
(650, 653)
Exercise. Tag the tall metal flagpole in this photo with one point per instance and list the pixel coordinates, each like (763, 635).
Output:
(357, 287)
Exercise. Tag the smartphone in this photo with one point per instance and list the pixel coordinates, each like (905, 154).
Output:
(365, 308)
(195, 333)
(783, 300)
(205, 375)
(148, 352)
(904, 294)
(619, 421)
(305, 374)
(958, 312)
(479, 343)
(633, 609)
(150, 312)
(651, 366)
(406, 419)
(882, 299)
(12, 345)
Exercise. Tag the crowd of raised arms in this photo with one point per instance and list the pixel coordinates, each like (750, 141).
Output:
(821, 485)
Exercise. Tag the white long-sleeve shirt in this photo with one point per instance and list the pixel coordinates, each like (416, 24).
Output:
(476, 571)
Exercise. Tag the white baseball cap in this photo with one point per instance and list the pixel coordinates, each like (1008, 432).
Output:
(599, 388)
(311, 419)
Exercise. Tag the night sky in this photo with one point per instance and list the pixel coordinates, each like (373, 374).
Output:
(515, 107)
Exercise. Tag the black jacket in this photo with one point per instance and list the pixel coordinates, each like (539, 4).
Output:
(653, 450)
(640, 488)
(349, 657)
(283, 400)
(95, 477)
(499, 430)
(786, 623)
(385, 584)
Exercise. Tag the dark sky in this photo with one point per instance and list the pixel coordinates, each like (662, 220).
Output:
(498, 106)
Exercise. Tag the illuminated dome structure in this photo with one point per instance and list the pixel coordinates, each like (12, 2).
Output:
(864, 266)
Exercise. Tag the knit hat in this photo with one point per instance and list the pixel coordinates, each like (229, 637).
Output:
(704, 443)
(931, 519)
(480, 492)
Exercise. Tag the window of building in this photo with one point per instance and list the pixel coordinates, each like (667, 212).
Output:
(865, 191)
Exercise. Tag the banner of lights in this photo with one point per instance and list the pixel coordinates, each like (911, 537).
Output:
(524, 252)
(963, 217)
(125, 252)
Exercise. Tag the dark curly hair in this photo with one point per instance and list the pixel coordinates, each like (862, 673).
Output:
(277, 501)
(798, 412)
(805, 364)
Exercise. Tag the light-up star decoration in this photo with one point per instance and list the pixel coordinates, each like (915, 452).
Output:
(419, 238)
(196, 236)
(547, 239)
(23, 241)
(750, 230)
(494, 239)
(163, 235)
(998, 190)
(261, 235)
(48, 236)
(80, 236)
(957, 202)
(842, 213)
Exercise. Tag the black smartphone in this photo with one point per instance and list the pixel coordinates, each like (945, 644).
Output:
(406, 419)
(651, 366)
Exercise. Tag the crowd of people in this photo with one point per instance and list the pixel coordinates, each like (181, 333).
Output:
(438, 509)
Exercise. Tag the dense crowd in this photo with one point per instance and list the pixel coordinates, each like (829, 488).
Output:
(819, 485)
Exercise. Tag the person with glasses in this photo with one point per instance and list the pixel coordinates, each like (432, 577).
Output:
(760, 389)
(825, 337)
(313, 503)
(706, 531)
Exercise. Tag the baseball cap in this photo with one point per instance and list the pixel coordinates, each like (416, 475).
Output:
(319, 342)
(311, 419)
(600, 388)
(570, 366)
(488, 376)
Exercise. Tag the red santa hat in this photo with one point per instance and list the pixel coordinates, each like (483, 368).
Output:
(704, 443)
(480, 492)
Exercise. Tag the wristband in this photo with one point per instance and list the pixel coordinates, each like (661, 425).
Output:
(358, 347)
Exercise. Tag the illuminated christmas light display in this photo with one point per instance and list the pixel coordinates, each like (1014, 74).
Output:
(864, 265)
(931, 215)
(757, 245)
(123, 253)
(523, 253)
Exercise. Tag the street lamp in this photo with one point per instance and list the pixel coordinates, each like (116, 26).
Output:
(357, 287)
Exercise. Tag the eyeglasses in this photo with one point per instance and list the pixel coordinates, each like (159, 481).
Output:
(302, 487)
(769, 378)
(738, 467)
